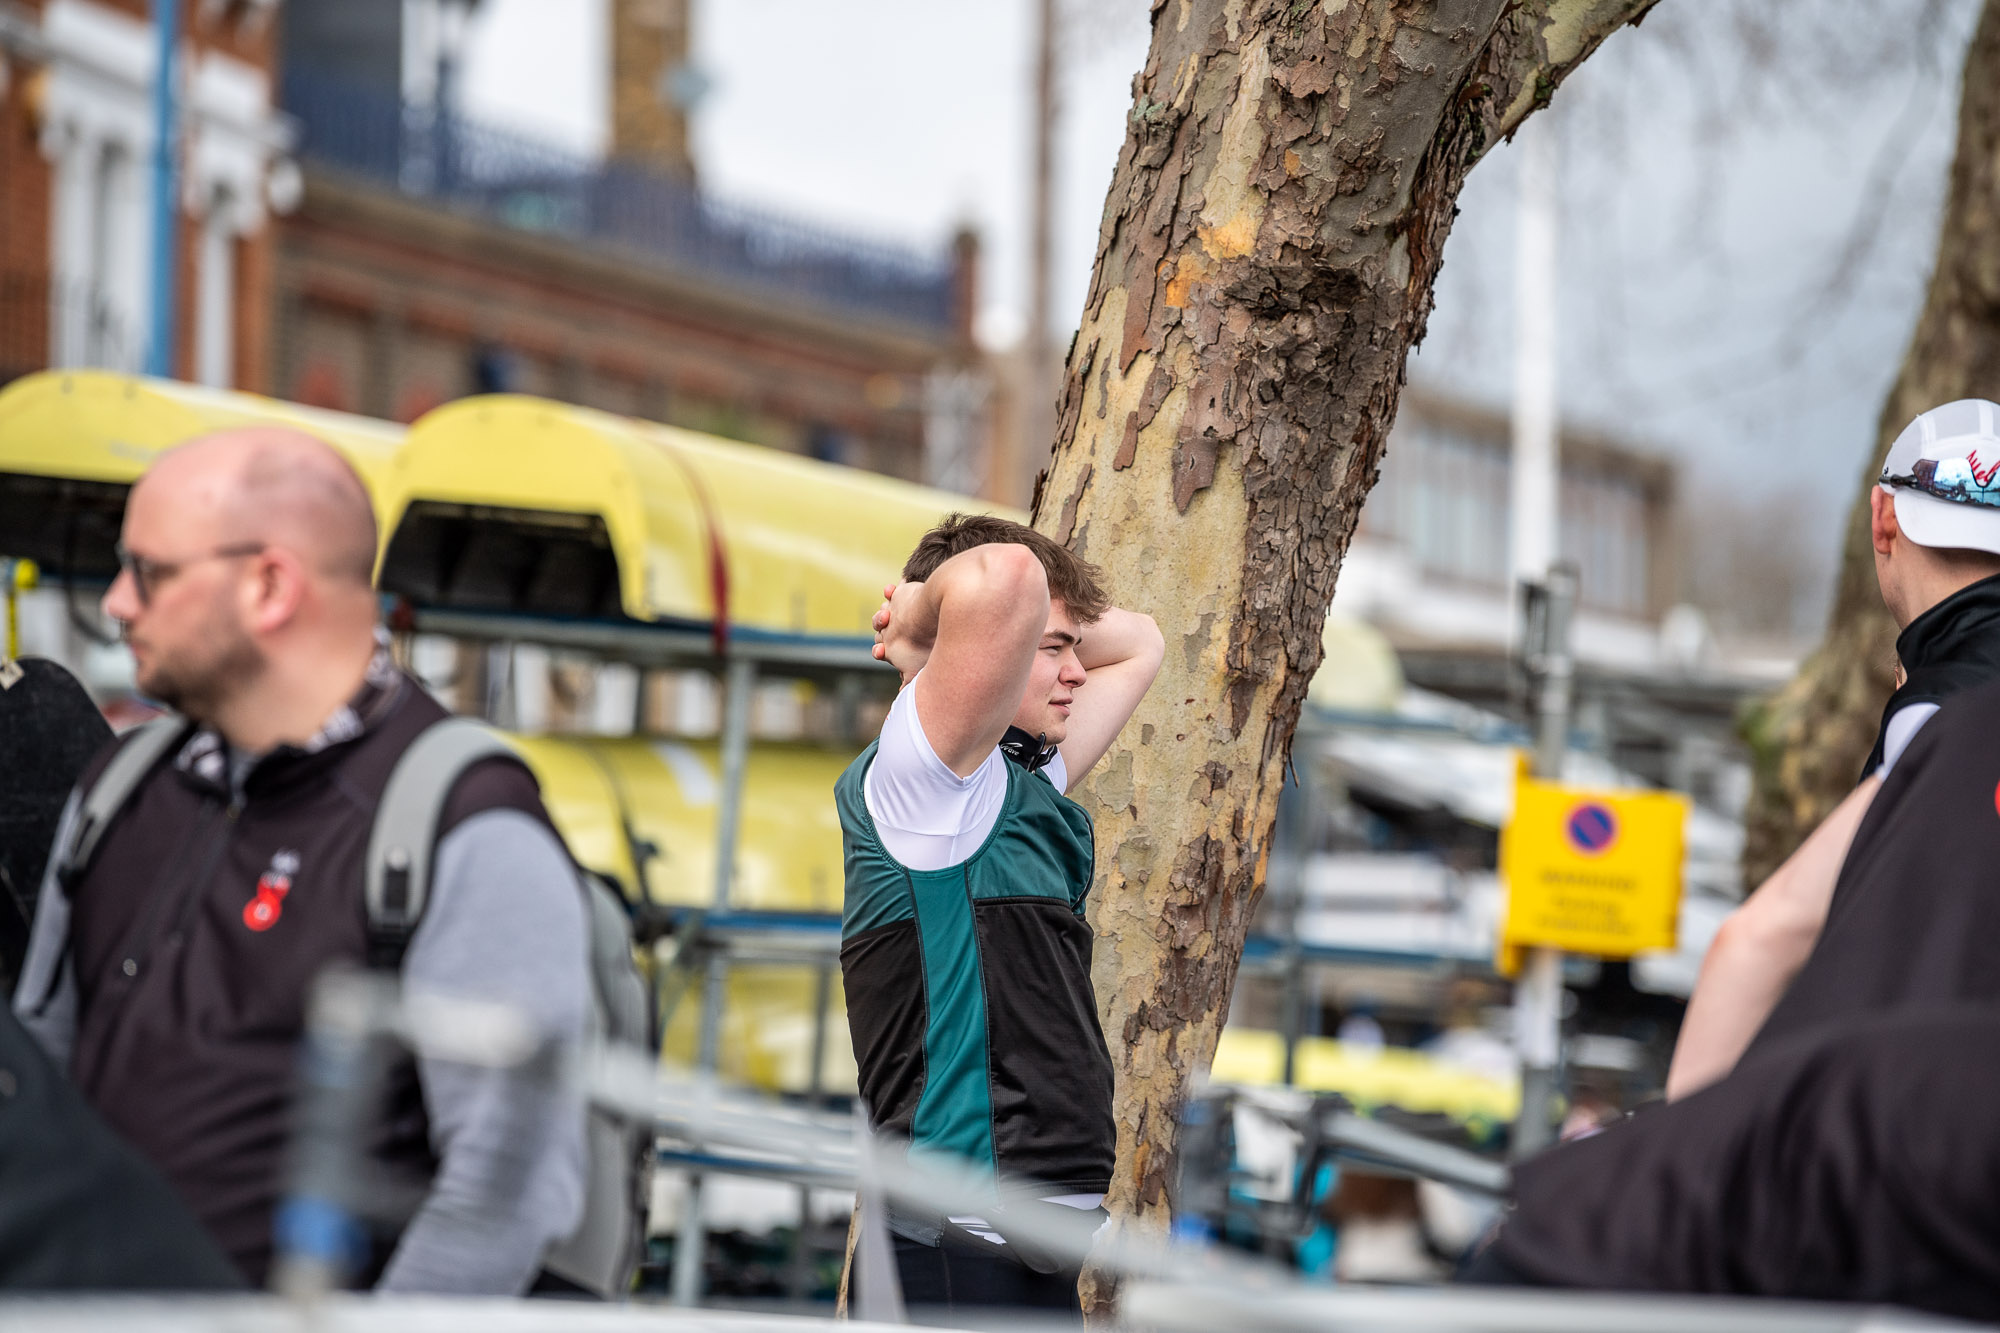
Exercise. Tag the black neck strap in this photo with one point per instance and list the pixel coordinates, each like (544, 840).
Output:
(1030, 752)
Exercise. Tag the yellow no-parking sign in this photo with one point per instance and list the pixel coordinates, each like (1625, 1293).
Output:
(1591, 871)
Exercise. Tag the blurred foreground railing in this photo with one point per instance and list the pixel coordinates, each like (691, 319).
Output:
(1165, 1283)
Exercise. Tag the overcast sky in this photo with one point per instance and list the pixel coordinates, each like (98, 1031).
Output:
(1747, 224)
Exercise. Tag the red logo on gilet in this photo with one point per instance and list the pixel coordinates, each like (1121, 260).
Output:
(262, 911)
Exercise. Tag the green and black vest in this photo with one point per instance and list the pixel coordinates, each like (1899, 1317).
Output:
(969, 996)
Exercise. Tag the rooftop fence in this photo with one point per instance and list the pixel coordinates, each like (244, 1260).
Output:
(520, 182)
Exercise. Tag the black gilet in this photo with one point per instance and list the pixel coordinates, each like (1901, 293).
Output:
(1951, 647)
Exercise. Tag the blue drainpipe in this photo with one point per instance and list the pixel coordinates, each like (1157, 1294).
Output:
(166, 210)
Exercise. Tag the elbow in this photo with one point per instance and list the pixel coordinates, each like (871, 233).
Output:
(1013, 569)
(1153, 644)
(1731, 938)
(1006, 579)
(1770, 932)
(999, 570)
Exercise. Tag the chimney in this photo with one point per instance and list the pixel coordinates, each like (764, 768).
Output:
(651, 83)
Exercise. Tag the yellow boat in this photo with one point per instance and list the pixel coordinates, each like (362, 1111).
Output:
(72, 442)
(609, 795)
(548, 514)
(502, 503)
(1369, 1077)
(606, 793)
(519, 505)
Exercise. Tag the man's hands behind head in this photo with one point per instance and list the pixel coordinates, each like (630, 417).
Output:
(905, 629)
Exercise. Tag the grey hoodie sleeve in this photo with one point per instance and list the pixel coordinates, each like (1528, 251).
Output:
(45, 998)
(507, 923)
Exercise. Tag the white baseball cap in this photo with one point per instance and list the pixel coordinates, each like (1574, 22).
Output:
(1944, 470)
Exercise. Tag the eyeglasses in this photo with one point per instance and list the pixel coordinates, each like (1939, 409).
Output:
(1956, 490)
(148, 574)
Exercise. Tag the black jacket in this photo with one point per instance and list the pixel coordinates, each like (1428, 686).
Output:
(196, 933)
(1851, 1153)
(1915, 915)
(79, 1210)
(1951, 647)
(1854, 1163)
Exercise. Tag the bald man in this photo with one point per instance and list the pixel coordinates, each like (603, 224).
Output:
(170, 973)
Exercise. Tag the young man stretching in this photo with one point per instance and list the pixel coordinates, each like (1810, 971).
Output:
(964, 950)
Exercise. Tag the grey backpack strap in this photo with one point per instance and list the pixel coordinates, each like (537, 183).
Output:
(114, 786)
(397, 879)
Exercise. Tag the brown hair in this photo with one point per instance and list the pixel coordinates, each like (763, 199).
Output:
(1073, 581)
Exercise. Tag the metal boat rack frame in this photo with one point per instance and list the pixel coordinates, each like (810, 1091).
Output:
(709, 941)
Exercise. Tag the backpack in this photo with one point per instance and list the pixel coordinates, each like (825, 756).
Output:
(49, 732)
(603, 1255)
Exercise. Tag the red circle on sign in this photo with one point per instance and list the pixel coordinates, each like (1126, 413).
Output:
(1592, 828)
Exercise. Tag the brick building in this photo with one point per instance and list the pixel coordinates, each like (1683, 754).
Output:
(432, 257)
(77, 145)
(420, 257)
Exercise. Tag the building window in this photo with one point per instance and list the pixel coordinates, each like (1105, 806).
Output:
(215, 296)
(323, 386)
(1445, 499)
(97, 130)
(114, 265)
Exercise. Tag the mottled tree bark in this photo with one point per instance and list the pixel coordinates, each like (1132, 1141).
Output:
(1264, 267)
(1811, 738)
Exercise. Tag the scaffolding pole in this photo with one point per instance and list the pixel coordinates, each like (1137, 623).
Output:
(1550, 606)
(166, 187)
(1535, 497)
(1534, 541)
(740, 685)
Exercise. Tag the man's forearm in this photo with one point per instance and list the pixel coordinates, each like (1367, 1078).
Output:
(1742, 979)
(1121, 655)
(918, 620)
(1116, 636)
(1761, 947)
(485, 1225)
(505, 924)
(987, 586)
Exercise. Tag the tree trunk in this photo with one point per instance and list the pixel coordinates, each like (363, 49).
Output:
(1811, 738)
(1265, 264)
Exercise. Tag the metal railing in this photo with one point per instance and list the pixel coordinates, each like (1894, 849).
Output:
(1168, 1283)
(520, 182)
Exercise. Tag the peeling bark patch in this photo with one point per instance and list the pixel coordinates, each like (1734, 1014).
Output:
(1211, 778)
(1135, 858)
(1199, 903)
(1242, 694)
(1128, 448)
(1195, 642)
(1159, 384)
(1113, 785)
(1194, 470)
(1066, 525)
